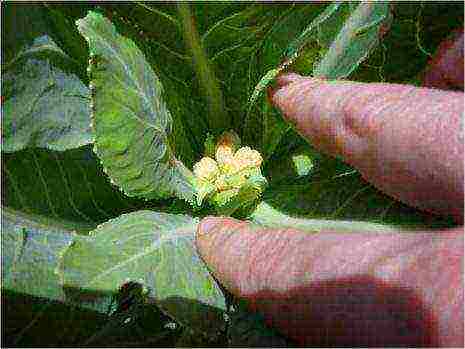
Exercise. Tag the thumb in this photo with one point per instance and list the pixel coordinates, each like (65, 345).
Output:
(407, 141)
(338, 289)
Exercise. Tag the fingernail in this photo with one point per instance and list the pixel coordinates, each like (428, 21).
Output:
(283, 98)
(288, 78)
(277, 96)
(282, 81)
(295, 93)
(207, 225)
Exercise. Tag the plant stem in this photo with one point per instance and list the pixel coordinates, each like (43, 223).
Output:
(217, 118)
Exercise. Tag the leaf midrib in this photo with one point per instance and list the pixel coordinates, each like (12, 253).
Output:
(167, 237)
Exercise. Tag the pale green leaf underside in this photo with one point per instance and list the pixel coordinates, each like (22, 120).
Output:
(130, 118)
(30, 254)
(267, 216)
(156, 250)
(44, 106)
(345, 49)
(358, 36)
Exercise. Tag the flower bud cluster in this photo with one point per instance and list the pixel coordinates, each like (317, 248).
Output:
(230, 161)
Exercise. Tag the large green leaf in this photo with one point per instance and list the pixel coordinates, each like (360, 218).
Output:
(46, 105)
(355, 41)
(165, 44)
(156, 250)
(131, 120)
(333, 44)
(62, 185)
(30, 252)
(32, 246)
(36, 308)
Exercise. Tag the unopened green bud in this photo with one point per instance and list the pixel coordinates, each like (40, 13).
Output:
(204, 190)
(241, 201)
(209, 146)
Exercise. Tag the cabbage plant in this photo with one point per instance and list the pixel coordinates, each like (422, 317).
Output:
(124, 125)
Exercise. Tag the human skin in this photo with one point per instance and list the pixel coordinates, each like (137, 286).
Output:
(343, 289)
(367, 288)
(446, 67)
(406, 141)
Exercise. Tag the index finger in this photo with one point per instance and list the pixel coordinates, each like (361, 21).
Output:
(407, 141)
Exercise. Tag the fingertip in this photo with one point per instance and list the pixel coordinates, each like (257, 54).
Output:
(211, 227)
(290, 91)
(287, 78)
(205, 236)
(207, 225)
(278, 96)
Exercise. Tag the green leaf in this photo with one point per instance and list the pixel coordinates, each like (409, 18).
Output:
(67, 185)
(66, 35)
(21, 25)
(158, 34)
(30, 252)
(45, 104)
(131, 120)
(344, 49)
(355, 41)
(156, 250)
(268, 216)
(36, 307)
(262, 119)
(415, 33)
(330, 13)
(291, 52)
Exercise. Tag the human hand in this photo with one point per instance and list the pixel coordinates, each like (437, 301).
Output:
(349, 289)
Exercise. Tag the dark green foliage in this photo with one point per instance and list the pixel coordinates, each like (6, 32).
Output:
(51, 199)
(69, 185)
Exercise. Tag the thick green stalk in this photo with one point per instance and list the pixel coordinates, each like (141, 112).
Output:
(217, 117)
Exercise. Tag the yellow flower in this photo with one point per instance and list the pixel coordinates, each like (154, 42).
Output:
(224, 155)
(247, 157)
(206, 169)
(225, 148)
(231, 169)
